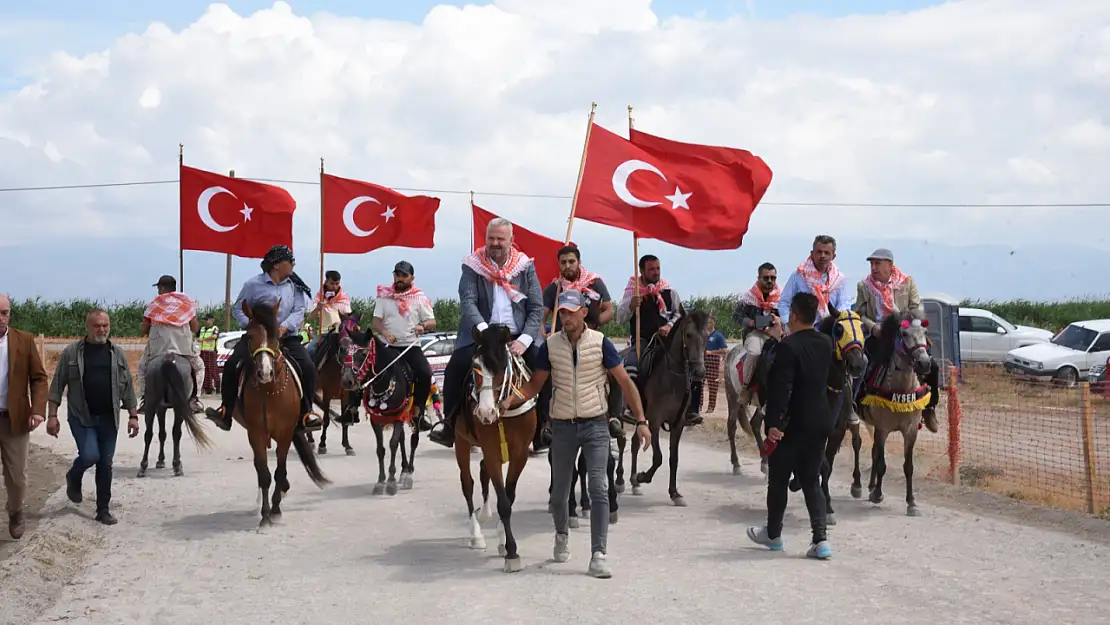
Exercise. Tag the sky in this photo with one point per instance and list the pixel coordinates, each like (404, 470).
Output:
(954, 105)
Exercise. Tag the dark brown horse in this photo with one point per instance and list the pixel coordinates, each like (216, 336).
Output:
(329, 383)
(503, 435)
(668, 367)
(269, 406)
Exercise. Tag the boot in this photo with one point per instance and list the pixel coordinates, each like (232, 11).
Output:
(422, 421)
(310, 421)
(445, 435)
(220, 416)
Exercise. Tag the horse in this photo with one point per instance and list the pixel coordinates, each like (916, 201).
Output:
(893, 397)
(269, 407)
(667, 367)
(374, 369)
(504, 435)
(329, 382)
(170, 385)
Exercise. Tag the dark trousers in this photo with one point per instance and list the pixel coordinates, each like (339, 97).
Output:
(421, 377)
(454, 379)
(292, 344)
(801, 457)
(96, 446)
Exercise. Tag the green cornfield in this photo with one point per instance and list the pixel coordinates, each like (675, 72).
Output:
(68, 318)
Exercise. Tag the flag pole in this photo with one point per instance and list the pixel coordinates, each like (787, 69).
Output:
(635, 258)
(581, 171)
(227, 284)
(320, 329)
(180, 248)
(471, 247)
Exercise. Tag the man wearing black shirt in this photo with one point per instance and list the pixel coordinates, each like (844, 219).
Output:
(798, 422)
(98, 380)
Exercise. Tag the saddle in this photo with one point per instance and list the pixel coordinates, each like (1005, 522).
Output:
(326, 348)
(388, 399)
(871, 393)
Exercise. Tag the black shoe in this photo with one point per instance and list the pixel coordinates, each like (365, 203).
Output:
(106, 518)
(310, 422)
(218, 416)
(445, 435)
(73, 490)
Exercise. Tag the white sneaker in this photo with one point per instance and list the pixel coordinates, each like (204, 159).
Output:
(598, 566)
(562, 548)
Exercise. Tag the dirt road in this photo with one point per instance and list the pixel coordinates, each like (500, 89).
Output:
(186, 551)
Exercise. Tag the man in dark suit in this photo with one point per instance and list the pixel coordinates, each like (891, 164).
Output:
(498, 285)
(798, 422)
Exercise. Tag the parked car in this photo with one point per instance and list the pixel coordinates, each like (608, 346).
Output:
(1068, 357)
(437, 347)
(224, 344)
(986, 337)
(1096, 375)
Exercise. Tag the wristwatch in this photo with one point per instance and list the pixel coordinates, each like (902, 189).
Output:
(641, 422)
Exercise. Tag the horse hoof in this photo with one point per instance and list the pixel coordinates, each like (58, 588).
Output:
(613, 516)
(406, 481)
(502, 551)
(573, 522)
(636, 490)
(391, 487)
(875, 499)
(913, 511)
(620, 488)
(178, 471)
(513, 565)
(142, 472)
(265, 523)
(678, 501)
(321, 449)
(478, 543)
(830, 519)
(275, 517)
(379, 488)
(736, 469)
(161, 464)
(350, 452)
(857, 492)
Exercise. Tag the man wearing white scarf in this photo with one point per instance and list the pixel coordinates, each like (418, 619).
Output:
(820, 276)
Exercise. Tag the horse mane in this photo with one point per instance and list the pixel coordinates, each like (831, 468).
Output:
(263, 314)
(888, 332)
(699, 318)
(492, 348)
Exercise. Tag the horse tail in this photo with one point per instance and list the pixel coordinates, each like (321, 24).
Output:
(308, 459)
(176, 385)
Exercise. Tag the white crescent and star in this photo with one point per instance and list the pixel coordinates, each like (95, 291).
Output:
(349, 215)
(620, 186)
(204, 210)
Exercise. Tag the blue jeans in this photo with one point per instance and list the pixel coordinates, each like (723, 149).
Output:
(95, 446)
(592, 437)
(311, 347)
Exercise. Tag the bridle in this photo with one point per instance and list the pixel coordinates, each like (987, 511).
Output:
(904, 353)
(483, 382)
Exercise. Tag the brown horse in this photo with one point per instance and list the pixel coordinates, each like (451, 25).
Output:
(269, 407)
(503, 435)
(329, 383)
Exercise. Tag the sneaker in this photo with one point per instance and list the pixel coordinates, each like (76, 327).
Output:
(598, 567)
(758, 535)
(820, 550)
(562, 548)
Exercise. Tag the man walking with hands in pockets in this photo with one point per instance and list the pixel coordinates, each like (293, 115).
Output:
(579, 361)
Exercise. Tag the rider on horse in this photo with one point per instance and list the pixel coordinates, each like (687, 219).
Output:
(170, 321)
(820, 276)
(884, 292)
(402, 313)
(756, 311)
(331, 302)
(498, 285)
(277, 282)
(660, 309)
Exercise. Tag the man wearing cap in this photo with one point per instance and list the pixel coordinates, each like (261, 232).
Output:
(402, 314)
(884, 292)
(169, 323)
(277, 283)
(579, 361)
(498, 286)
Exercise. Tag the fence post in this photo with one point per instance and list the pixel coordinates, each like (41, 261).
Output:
(954, 416)
(1088, 444)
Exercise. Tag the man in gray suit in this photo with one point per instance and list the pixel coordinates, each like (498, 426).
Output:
(498, 285)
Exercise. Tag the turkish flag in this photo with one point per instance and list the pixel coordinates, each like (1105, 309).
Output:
(362, 216)
(232, 215)
(543, 251)
(690, 195)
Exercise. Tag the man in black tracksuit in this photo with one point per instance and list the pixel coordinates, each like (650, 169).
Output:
(798, 422)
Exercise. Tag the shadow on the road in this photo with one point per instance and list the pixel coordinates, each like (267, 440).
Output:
(198, 526)
(727, 479)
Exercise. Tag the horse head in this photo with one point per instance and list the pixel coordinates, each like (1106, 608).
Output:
(905, 340)
(846, 329)
(490, 368)
(355, 355)
(688, 339)
(262, 339)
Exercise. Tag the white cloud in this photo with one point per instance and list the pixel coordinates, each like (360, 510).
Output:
(972, 101)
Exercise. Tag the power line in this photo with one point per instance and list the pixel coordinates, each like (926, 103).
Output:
(104, 185)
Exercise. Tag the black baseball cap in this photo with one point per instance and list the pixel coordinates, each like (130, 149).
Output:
(404, 267)
(167, 281)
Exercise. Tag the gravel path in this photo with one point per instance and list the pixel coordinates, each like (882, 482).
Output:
(186, 551)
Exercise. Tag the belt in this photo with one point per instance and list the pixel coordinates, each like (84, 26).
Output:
(581, 419)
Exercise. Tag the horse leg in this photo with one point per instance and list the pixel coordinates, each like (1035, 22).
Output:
(730, 431)
(572, 501)
(506, 541)
(676, 436)
(258, 445)
(633, 477)
(656, 456)
(610, 469)
(396, 435)
(909, 438)
(757, 427)
(583, 483)
(408, 468)
(466, 480)
(281, 477)
(161, 464)
(322, 448)
(857, 443)
(485, 515)
(346, 405)
(178, 423)
(379, 434)
(148, 438)
(621, 442)
(878, 465)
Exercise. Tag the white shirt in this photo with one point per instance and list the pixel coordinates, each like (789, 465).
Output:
(385, 308)
(4, 371)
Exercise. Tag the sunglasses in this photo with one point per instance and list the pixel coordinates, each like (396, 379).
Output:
(769, 278)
